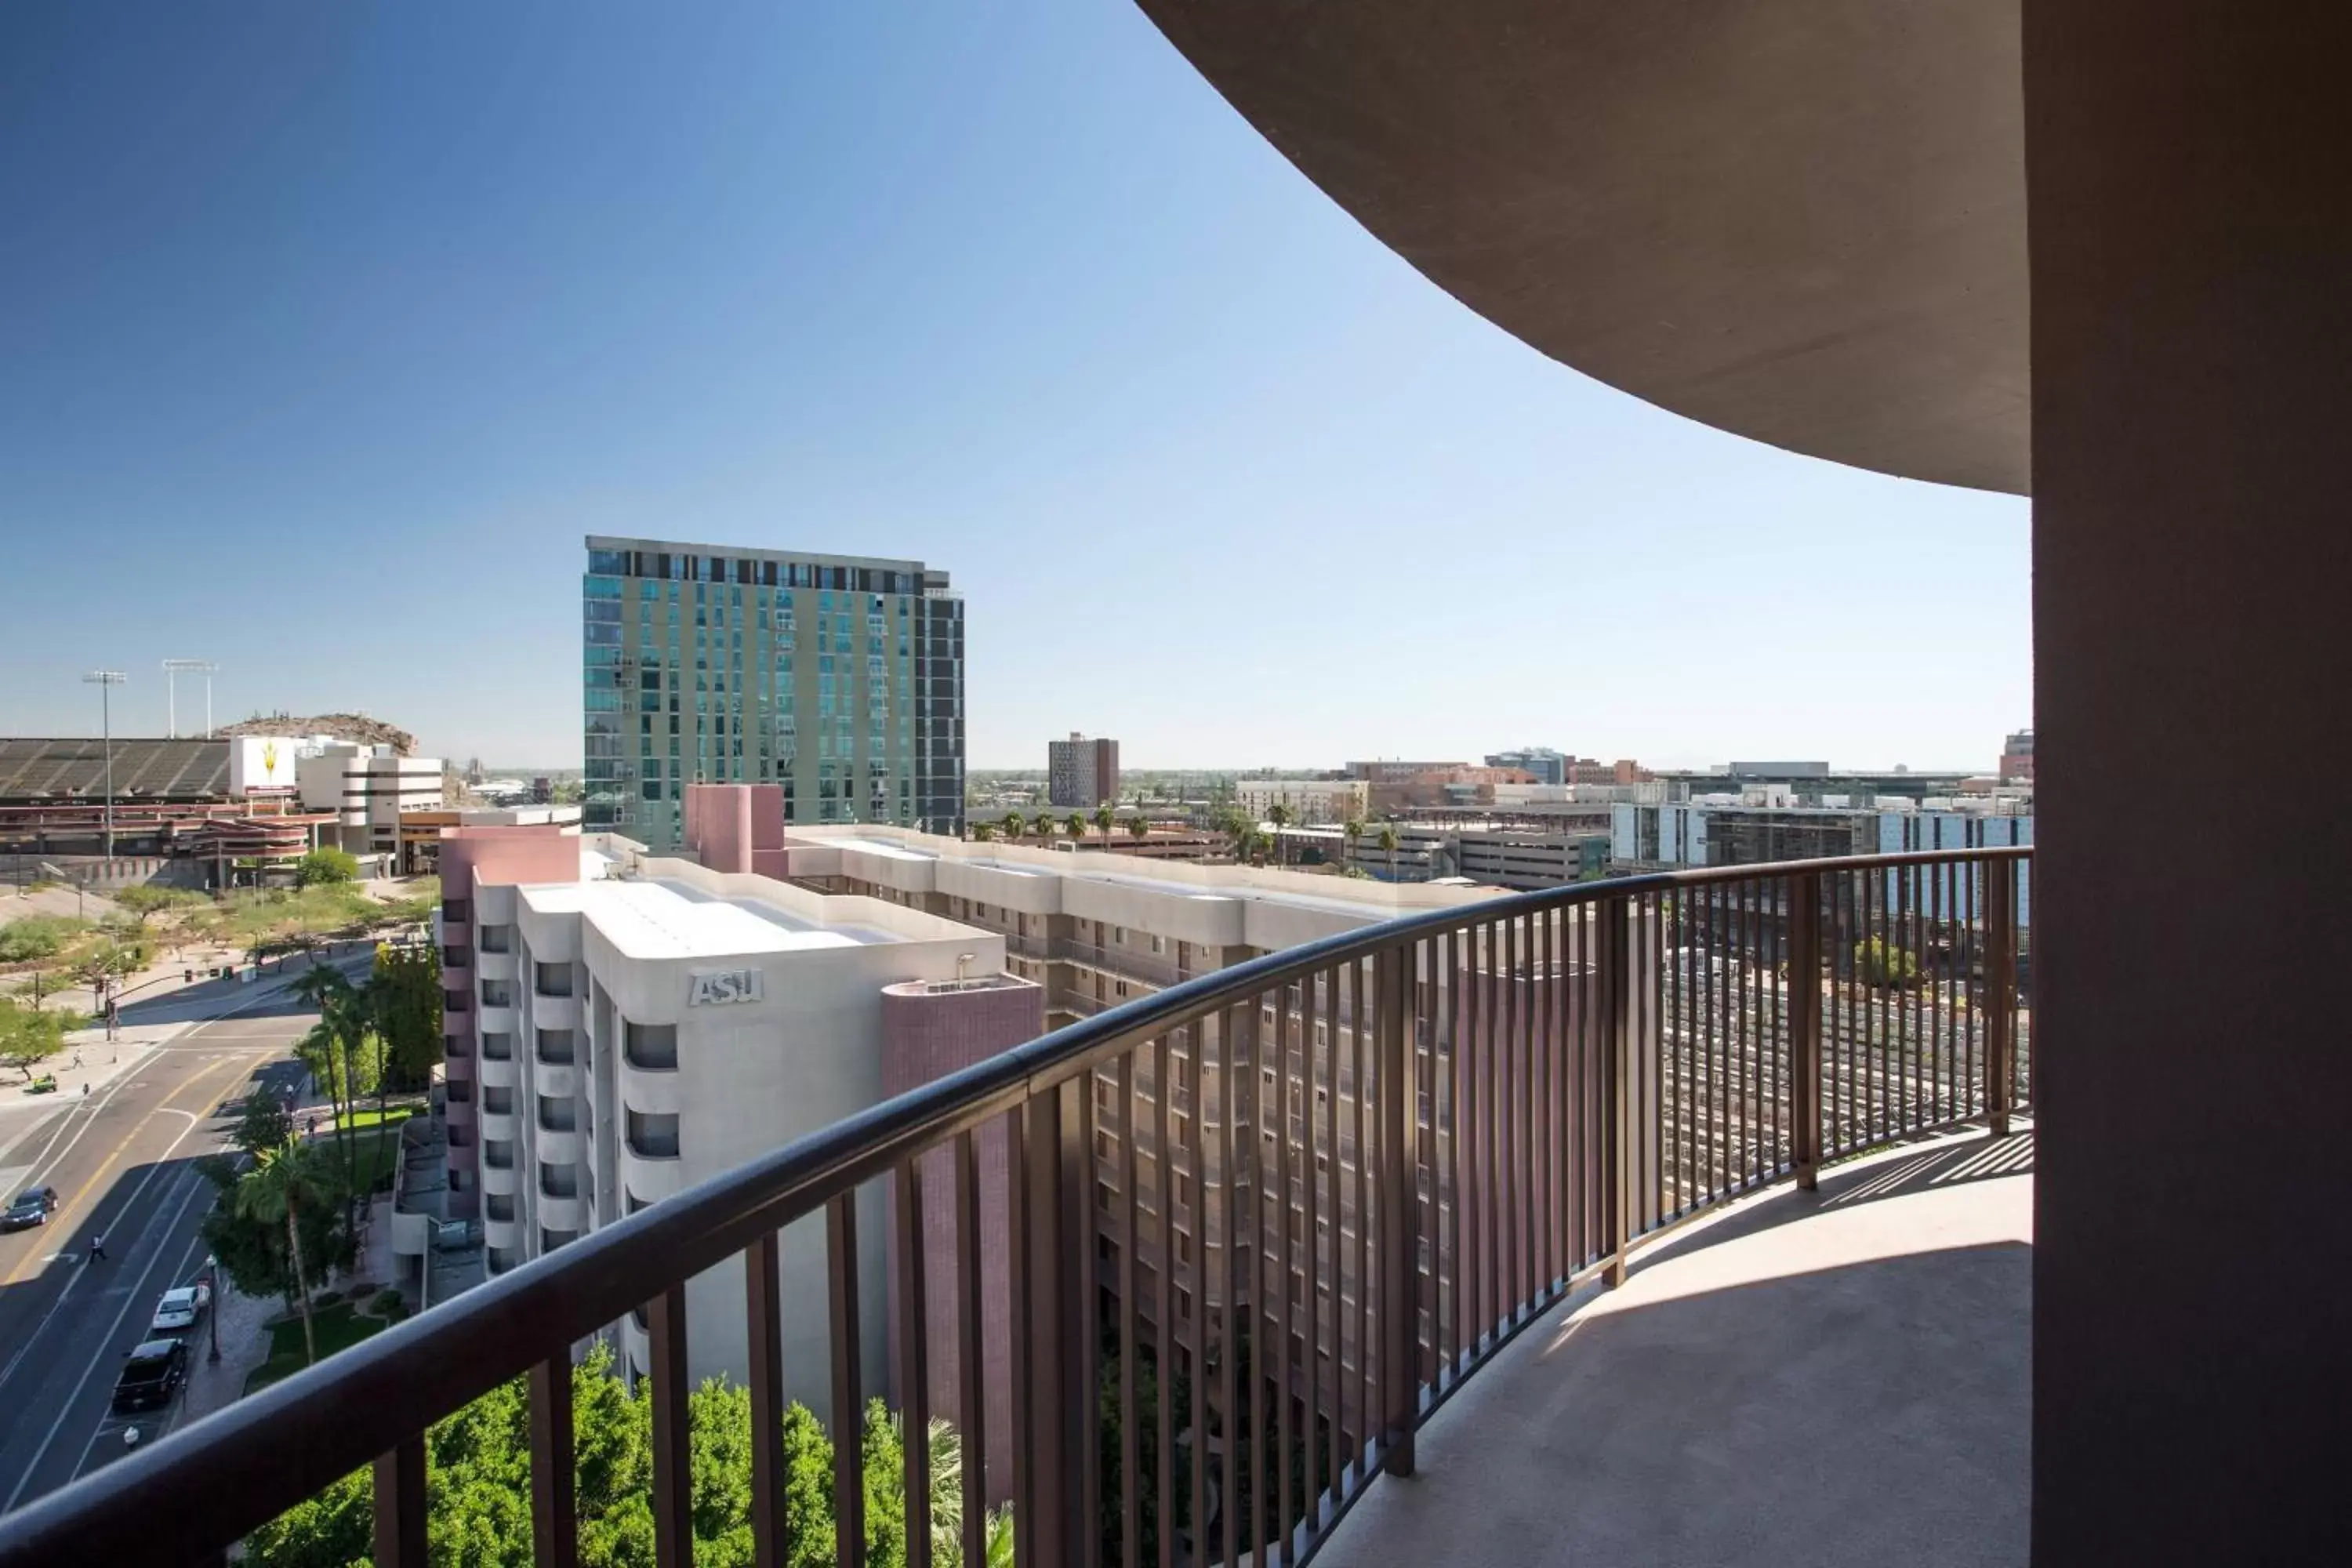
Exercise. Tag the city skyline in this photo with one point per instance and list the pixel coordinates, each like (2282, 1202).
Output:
(425, 326)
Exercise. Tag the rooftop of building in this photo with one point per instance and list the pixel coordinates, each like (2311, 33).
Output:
(1194, 882)
(660, 917)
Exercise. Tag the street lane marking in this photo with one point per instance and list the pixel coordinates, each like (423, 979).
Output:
(196, 1185)
(128, 1204)
(65, 1200)
(168, 1417)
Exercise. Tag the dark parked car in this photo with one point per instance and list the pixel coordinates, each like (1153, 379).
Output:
(32, 1206)
(152, 1375)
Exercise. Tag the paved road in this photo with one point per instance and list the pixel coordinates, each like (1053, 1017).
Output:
(123, 1163)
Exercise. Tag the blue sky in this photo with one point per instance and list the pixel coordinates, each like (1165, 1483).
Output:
(330, 330)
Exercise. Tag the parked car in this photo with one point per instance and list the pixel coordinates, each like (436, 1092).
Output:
(180, 1309)
(152, 1375)
(32, 1206)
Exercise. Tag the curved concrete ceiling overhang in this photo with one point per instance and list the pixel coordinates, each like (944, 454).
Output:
(1801, 221)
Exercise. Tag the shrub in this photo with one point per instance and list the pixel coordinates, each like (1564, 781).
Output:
(322, 866)
(386, 1304)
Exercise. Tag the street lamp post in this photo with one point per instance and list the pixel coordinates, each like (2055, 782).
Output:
(211, 1315)
(106, 680)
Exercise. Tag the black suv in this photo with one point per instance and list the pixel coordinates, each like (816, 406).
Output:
(153, 1375)
(34, 1206)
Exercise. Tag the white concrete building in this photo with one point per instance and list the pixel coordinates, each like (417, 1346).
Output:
(367, 787)
(1306, 800)
(642, 1031)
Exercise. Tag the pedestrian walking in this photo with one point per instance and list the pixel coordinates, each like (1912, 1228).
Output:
(97, 1249)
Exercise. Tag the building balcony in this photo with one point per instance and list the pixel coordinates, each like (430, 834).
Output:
(499, 1126)
(554, 1012)
(557, 1080)
(1695, 1404)
(1703, 1198)
(488, 966)
(501, 1234)
(560, 1211)
(496, 1020)
(649, 1178)
(653, 1091)
(499, 1072)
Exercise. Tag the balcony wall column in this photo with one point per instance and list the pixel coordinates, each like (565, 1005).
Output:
(2188, 166)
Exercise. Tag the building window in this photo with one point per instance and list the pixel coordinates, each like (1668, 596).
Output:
(497, 1046)
(496, 993)
(652, 1136)
(650, 1047)
(495, 939)
(552, 979)
(457, 1002)
(457, 912)
(498, 1101)
(558, 1115)
(555, 1047)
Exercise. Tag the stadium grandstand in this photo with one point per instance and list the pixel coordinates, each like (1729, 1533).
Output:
(172, 798)
(34, 772)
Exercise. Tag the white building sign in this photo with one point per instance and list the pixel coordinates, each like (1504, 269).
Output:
(720, 987)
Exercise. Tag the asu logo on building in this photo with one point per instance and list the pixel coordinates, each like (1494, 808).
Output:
(722, 987)
(269, 761)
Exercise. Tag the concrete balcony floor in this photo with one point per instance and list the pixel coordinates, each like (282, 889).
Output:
(1827, 1378)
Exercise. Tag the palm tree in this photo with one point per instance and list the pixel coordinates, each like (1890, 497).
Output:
(346, 1019)
(281, 1181)
(1016, 825)
(1279, 814)
(981, 832)
(1105, 820)
(1138, 826)
(1077, 826)
(1387, 842)
(1000, 1538)
(1353, 831)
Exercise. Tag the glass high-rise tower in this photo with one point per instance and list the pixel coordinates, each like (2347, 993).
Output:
(839, 677)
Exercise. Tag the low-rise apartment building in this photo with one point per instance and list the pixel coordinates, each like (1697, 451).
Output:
(622, 1027)
(1094, 934)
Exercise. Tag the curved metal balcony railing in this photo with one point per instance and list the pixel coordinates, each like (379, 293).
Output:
(1471, 1112)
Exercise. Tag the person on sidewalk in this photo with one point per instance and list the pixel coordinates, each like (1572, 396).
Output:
(97, 1249)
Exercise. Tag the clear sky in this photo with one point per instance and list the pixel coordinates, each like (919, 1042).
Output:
(328, 331)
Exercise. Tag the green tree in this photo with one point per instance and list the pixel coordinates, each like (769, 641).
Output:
(34, 937)
(282, 1182)
(477, 1486)
(325, 866)
(1279, 814)
(1138, 826)
(254, 1251)
(1105, 820)
(1352, 830)
(1077, 824)
(261, 1123)
(1388, 843)
(1886, 964)
(405, 998)
(981, 832)
(1016, 825)
(29, 1036)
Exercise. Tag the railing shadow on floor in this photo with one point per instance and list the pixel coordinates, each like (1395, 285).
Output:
(1944, 1160)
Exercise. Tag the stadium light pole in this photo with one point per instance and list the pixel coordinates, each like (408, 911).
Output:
(172, 669)
(106, 680)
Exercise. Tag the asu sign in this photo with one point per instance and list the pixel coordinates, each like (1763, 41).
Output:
(721, 987)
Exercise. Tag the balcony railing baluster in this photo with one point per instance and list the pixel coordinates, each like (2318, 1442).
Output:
(1455, 1120)
(764, 1328)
